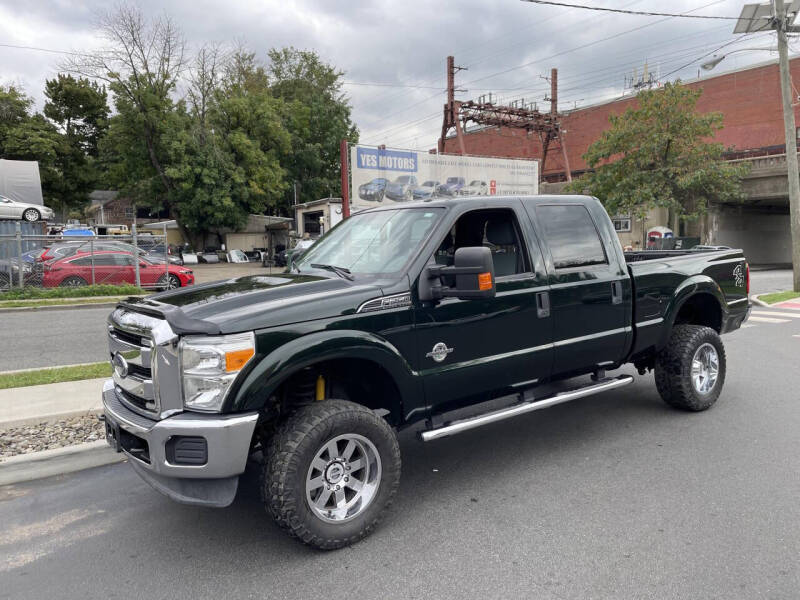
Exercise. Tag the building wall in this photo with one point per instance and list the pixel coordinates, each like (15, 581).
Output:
(749, 100)
(765, 237)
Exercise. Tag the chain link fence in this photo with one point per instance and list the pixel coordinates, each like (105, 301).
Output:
(48, 261)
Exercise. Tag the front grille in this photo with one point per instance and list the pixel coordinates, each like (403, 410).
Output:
(144, 354)
(131, 338)
(143, 372)
(136, 401)
(135, 383)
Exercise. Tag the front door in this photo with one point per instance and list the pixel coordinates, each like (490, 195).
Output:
(473, 350)
(589, 294)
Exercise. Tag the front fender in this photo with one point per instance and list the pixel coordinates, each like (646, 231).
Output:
(696, 284)
(274, 368)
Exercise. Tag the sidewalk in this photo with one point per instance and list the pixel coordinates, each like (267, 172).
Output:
(39, 403)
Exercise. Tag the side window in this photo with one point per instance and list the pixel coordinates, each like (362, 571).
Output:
(104, 260)
(571, 235)
(496, 229)
(122, 260)
(86, 261)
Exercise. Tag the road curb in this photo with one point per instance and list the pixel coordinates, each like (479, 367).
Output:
(758, 302)
(58, 307)
(59, 461)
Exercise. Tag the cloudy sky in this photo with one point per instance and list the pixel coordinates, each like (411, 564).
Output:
(393, 52)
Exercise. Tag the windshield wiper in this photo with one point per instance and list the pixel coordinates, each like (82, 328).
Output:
(340, 271)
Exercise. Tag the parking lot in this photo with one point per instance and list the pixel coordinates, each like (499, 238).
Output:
(613, 496)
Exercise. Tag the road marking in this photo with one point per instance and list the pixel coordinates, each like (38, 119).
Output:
(768, 320)
(776, 314)
(747, 326)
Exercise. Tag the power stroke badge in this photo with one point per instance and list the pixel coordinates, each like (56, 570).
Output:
(439, 352)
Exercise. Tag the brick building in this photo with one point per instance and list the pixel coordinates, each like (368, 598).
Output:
(749, 99)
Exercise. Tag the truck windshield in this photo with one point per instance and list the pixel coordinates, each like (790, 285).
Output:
(373, 243)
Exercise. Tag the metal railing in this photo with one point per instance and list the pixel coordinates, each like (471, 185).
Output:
(64, 260)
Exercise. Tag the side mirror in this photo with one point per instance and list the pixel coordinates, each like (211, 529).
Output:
(472, 277)
(142, 265)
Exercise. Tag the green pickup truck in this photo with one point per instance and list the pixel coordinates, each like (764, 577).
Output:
(484, 308)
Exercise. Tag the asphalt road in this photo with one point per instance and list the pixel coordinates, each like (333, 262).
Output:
(613, 496)
(48, 338)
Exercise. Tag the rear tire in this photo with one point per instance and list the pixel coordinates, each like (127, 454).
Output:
(690, 370)
(73, 281)
(330, 472)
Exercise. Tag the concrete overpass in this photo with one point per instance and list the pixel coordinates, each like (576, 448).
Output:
(760, 224)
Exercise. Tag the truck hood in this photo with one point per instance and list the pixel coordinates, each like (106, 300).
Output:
(255, 302)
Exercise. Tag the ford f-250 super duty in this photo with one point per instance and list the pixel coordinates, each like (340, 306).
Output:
(398, 316)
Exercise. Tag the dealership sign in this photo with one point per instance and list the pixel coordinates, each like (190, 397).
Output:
(385, 175)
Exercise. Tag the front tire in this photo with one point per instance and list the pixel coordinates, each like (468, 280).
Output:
(31, 215)
(331, 471)
(690, 370)
(170, 283)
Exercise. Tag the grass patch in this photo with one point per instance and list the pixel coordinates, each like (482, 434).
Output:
(33, 293)
(778, 297)
(59, 301)
(43, 376)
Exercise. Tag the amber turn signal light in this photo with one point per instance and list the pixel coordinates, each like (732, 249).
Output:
(237, 359)
(484, 281)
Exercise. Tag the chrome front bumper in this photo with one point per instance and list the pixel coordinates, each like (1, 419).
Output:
(212, 483)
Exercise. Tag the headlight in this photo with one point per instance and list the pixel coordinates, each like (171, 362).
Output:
(209, 365)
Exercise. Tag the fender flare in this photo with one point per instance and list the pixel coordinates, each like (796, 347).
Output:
(286, 360)
(689, 288)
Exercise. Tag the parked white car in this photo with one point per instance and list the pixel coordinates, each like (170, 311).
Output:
(13, 209)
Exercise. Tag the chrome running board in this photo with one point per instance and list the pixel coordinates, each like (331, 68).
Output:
(455, 427)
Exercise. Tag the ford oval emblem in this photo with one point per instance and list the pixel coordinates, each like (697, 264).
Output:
(120, 364)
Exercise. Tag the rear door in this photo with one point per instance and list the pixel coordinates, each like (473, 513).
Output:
(589, 289)
(472, 350)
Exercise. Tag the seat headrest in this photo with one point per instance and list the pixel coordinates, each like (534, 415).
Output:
(500, 232)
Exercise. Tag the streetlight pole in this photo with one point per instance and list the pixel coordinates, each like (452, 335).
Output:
(780, 24)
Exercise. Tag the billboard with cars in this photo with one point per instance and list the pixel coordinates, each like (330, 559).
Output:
(381, 175)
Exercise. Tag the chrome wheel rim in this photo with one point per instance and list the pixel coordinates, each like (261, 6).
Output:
(343, 478)
(705, 368)
(172, 283)
(30, 215)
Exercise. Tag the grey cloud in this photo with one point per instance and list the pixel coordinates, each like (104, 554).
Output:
(407, 42)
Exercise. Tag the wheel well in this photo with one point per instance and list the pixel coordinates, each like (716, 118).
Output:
(358, 380)
(700, 309)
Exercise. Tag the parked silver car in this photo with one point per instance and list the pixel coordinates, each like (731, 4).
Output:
(13, 209)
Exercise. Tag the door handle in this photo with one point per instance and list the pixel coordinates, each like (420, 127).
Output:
(543, 304)
(616, 292)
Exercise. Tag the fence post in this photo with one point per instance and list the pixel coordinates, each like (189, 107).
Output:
(166, 259)
(136, 255)
(18, 237)
(91, 250)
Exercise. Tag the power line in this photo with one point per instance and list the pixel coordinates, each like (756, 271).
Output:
(637, 12)
(739, 39)
(41, 49)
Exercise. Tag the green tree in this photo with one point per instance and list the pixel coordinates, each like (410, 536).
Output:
(317, 115)
(226, 162)
(660, 154)
(79, 109)
(14, 107)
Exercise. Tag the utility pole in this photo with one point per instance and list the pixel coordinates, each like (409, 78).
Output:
(781, 26)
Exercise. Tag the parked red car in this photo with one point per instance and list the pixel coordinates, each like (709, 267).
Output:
(112, 267)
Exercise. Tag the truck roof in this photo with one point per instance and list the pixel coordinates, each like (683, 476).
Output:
(482, 200)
